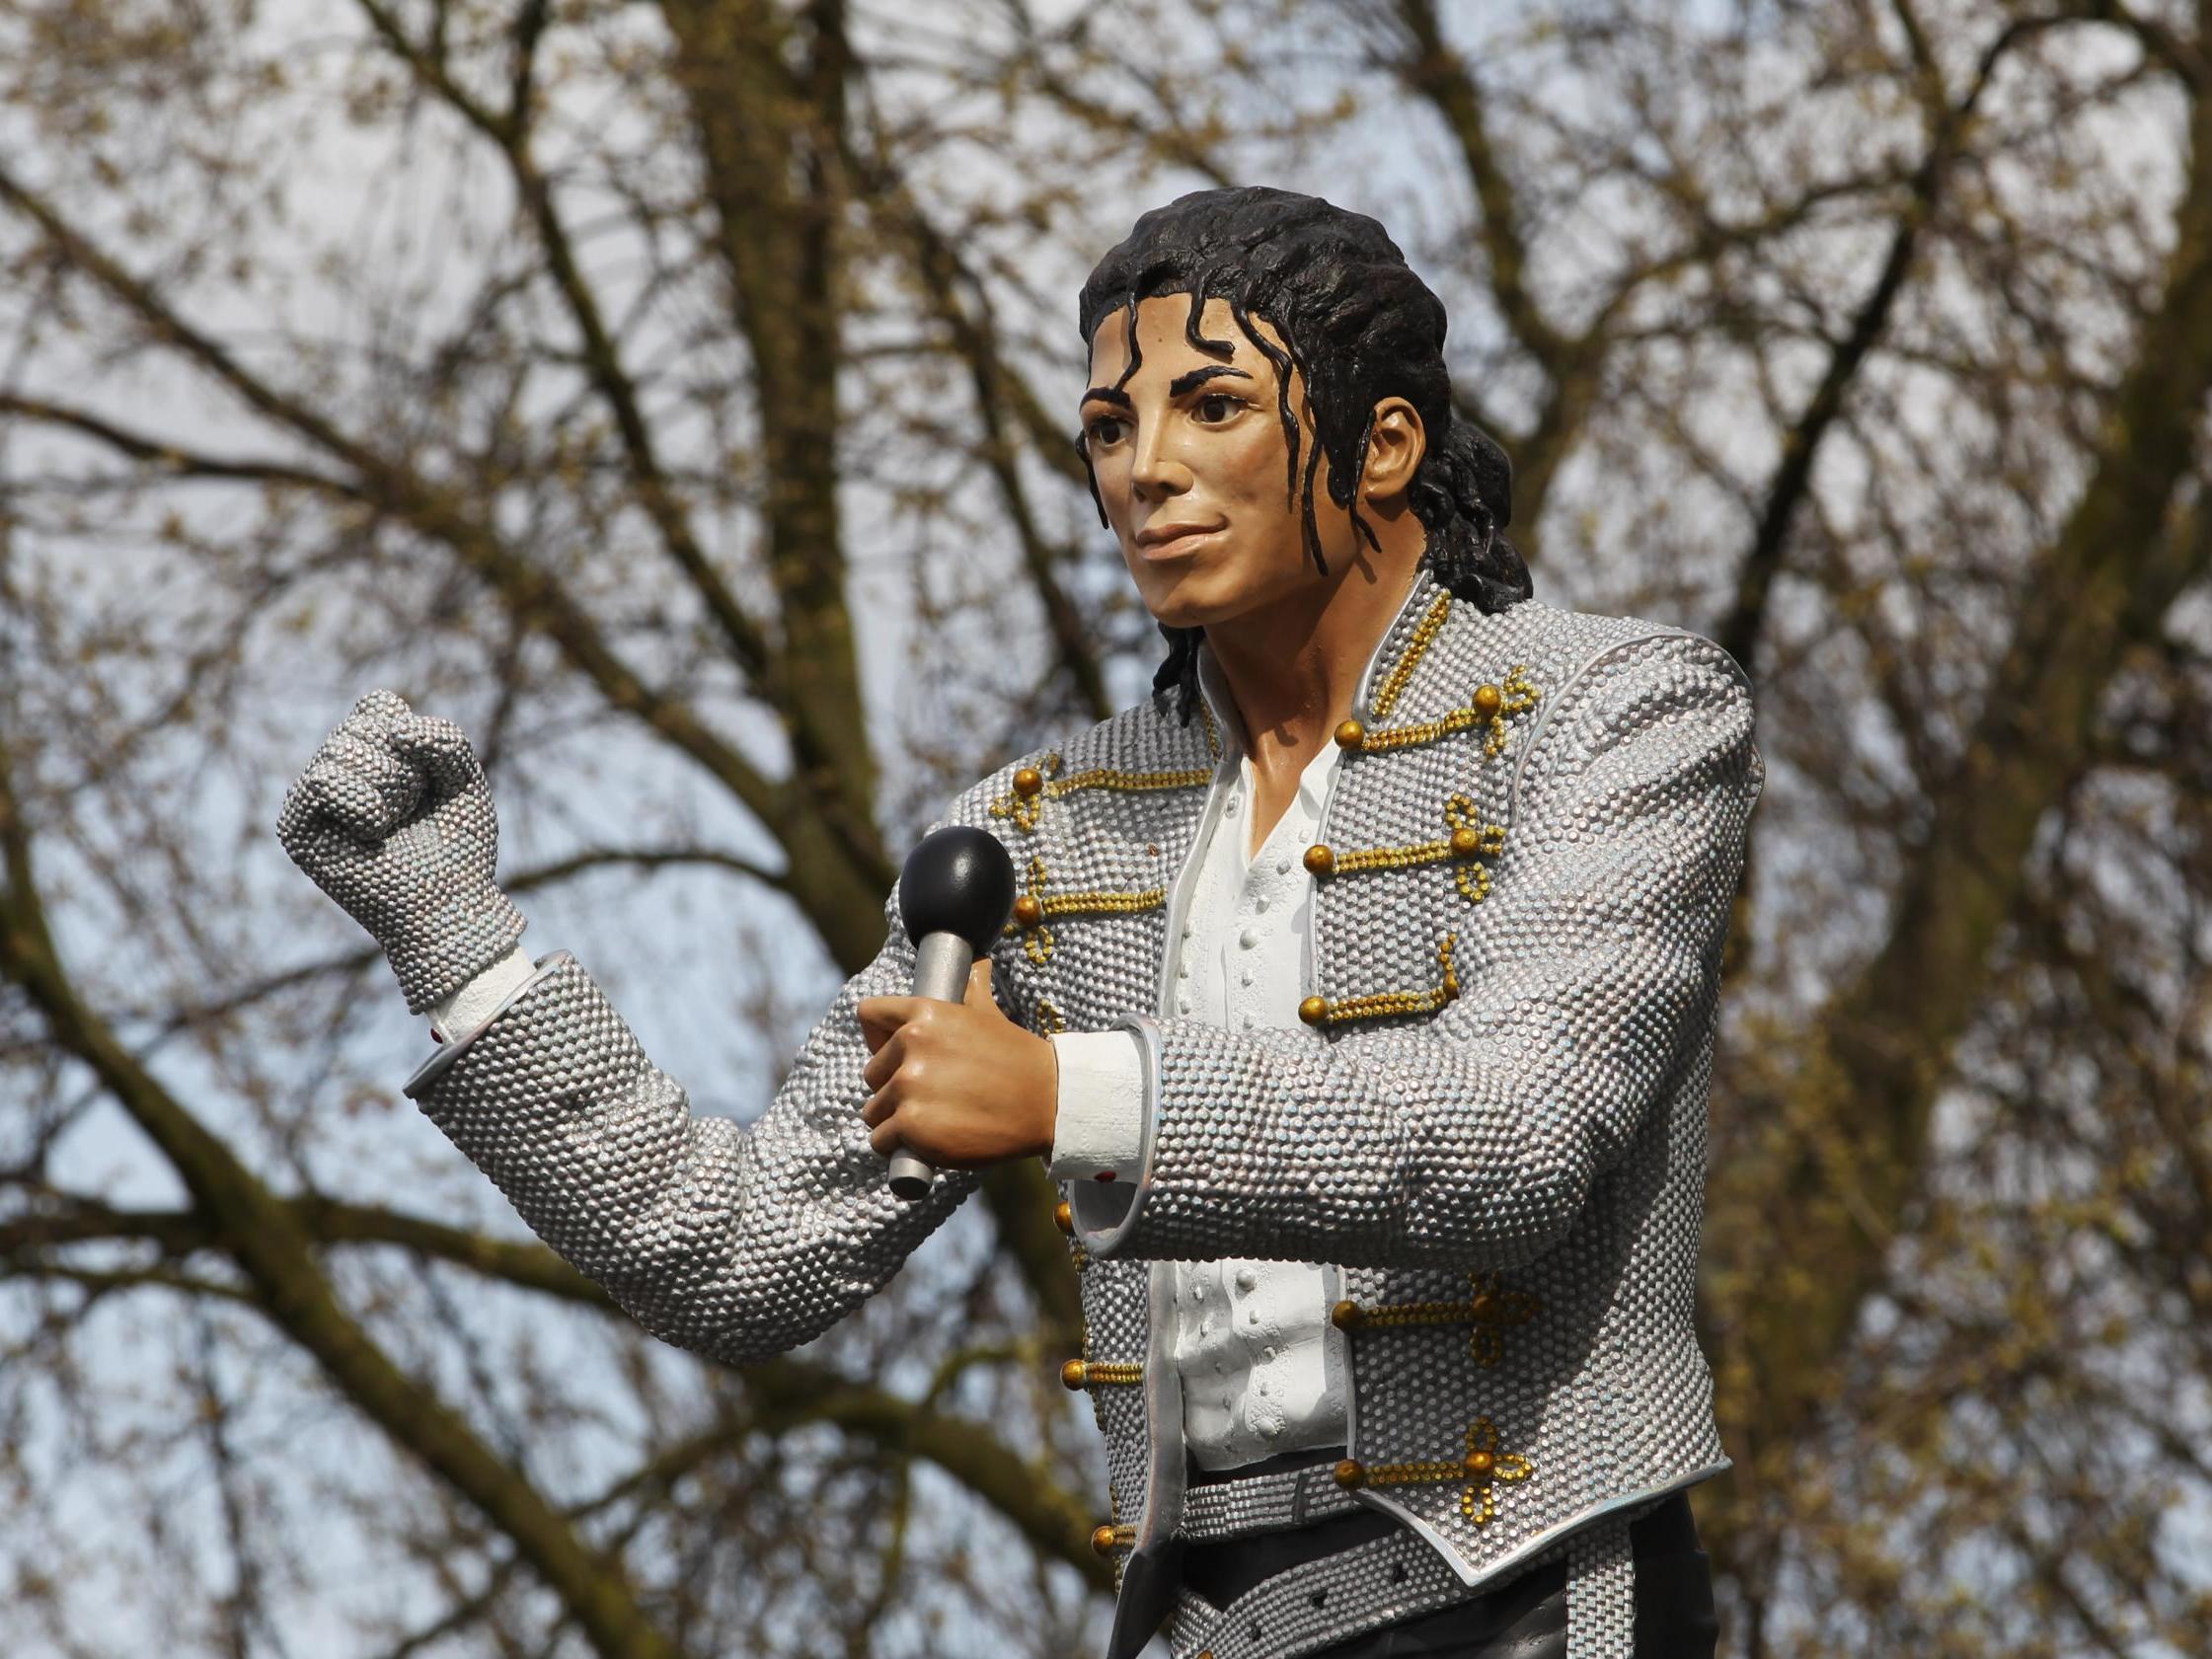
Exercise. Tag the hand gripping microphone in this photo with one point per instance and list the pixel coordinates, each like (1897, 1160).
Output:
(955, 896)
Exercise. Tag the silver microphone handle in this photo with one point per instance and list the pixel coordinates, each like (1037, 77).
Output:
(940, 966)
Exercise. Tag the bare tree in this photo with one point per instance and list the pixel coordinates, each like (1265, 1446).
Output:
(678, 395)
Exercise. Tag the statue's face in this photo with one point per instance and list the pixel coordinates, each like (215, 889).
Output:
(1192, 470)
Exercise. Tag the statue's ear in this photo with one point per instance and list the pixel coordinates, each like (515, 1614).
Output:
(1396, 443)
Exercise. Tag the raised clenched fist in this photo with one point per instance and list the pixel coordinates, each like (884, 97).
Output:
(393, 819)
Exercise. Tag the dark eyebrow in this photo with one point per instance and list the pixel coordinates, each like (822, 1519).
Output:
(1198, 377)
(1108, 394)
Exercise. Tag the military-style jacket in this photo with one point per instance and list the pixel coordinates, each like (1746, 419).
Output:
(1490, 1126)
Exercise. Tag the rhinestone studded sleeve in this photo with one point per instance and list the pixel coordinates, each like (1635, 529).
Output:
(733, 1242)
(1580, 999)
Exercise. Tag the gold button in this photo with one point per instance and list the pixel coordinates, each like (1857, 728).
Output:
(1479, 1464)
(1028, 781)
(1320, 860)
(1466, 843)
(1313, 1009)
(1346, 1314)
(1349, 734)
(1074, 1375)
(1102, 1540)
(1486, 1307)
(1351, 1474)
(1063, 1217)
(1488, 699)
(1029, 910)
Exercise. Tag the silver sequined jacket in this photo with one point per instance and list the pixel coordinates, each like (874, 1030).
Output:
(1491, 1127)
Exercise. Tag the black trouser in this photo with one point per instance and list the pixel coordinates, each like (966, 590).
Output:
(1524, 1619)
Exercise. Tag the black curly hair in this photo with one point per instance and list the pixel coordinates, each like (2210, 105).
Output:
(1359, 326)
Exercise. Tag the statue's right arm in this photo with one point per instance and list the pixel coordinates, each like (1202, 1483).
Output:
(733, 1242)
(736, 1243)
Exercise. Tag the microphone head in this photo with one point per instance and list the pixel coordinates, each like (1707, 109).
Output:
(957, 880)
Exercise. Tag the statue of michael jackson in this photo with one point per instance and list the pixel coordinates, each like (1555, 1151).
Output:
(1360, 989)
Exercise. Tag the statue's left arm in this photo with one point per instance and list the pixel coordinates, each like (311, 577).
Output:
(1587, 994)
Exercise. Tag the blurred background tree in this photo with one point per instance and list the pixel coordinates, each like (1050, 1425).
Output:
(680, 396)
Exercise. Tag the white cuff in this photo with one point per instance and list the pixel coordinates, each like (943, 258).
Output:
(1100, 1131)
(474, 1004)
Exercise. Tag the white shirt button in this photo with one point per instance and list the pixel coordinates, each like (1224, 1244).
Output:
(1248, 938)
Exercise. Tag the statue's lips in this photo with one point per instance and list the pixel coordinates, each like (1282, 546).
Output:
(1175, 543)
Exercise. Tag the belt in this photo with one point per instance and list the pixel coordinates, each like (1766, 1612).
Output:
(1673, 1598)
(1296, 1490)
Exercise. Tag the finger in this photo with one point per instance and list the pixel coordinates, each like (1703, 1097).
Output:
(365, 793)
(884, 1138)
(381, 776)
(883, 1063)
(374, 716)
(879, 1017)
(301, 818)
(439, 751)
(979, 984)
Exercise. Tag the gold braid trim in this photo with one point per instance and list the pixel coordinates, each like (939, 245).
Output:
(1382, 1316)
(1104, 903)
(1415, 1474)
(1037, 937)
(1392, 858)
(1401, 670)
(1388, 1004)
(1113, 778)
(1490, 706)
(1472, 877)
(1050, 1022)
(1024, 803)
(1490, 1309)
(1096, 1374)
(1482, 1468)
(1114, 1537)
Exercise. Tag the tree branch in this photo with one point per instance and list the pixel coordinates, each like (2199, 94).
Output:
(601, 359)
(263, 1239)
(1439, 74)
(1738, 633)
(1004, 401)
(786, 1391)
(172, 458)
(842, 895)
(1797, 1235)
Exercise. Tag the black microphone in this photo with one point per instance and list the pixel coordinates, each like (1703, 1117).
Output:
(955, 896)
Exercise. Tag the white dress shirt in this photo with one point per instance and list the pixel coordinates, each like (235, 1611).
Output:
(1261, 1366)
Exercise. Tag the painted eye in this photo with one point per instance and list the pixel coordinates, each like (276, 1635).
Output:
(1215, 408)
(1107, 430)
